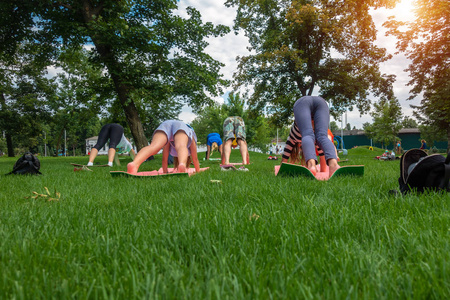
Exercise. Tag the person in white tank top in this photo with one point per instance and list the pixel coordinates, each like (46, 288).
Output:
(117, 143)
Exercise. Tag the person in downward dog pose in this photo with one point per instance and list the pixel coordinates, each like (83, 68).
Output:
(293, 149)
(234, 128)
(174, 137)
(311, 126)
(117, 142)
(213, 142)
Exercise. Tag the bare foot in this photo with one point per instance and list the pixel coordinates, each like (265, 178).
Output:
(311, 165)
(332, 166)
(131, 168)
(181, 168)
(313, 170)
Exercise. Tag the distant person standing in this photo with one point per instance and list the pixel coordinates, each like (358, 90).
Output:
(399, 148)
(117, 142)
(423, 145)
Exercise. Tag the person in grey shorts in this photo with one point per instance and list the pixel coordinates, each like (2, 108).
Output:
(234, 127)
(175, 138)
(312, 117)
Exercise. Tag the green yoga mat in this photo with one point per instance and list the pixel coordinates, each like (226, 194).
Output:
(297, 170)
(146, 174)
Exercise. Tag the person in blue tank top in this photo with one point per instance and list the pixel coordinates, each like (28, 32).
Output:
(213, 142)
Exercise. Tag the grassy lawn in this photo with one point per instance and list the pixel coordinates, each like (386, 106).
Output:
(253, 236)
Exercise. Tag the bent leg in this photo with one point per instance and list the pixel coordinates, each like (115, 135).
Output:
(244, 150)
(93, 155)
(111, 154)
(226, 152)
(181, 146)
(321, 121)
(159, 140)
(103, 137)
(302, 114)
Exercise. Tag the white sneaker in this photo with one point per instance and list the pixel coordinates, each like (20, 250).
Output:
(225, 169)
(243, 169)
(90, 164)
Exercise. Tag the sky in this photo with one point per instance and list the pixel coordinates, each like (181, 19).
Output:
(226, 49)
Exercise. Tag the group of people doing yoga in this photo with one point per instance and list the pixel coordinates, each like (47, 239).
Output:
(309, 136)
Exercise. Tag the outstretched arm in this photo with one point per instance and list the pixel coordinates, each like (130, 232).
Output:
(165, 158)
(208, 150)
(323, 163)
(194, 156)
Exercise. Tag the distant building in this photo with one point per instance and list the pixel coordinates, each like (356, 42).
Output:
(90, 143)
(409, 138)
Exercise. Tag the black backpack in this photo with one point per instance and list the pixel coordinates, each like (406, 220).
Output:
(420, 171)
(26, 164)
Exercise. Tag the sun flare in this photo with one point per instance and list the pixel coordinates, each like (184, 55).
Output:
(404, 10)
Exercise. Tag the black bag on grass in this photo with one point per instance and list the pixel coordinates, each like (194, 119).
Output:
(420, 171)
(26, 164)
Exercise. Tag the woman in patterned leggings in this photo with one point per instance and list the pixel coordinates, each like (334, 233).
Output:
(306, 110)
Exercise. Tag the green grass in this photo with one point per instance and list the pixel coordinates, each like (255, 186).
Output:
(254, 236)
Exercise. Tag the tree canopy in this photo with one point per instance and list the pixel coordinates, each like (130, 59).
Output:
(152, 56)
(300, 45)
(258, 130)
(387, 122)
(24, 91)
(426, 42)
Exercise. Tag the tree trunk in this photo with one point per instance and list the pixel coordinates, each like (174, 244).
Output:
(131, 112)
(6, 117)
(9, 145)
(58, 143)
(448, 139)
(105, 50)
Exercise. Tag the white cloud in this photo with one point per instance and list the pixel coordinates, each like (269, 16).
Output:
(187, 115)
(224, 49)
(227, 48)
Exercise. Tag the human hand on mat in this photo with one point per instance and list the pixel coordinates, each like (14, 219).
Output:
(165, 158)
(193, 149)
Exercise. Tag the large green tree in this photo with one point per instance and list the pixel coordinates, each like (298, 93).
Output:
(426, 42)
(82, 92)
(387, 122)
(24, 90)
(150, 53)
(258, 131)
(300, 45)
(409, 122)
